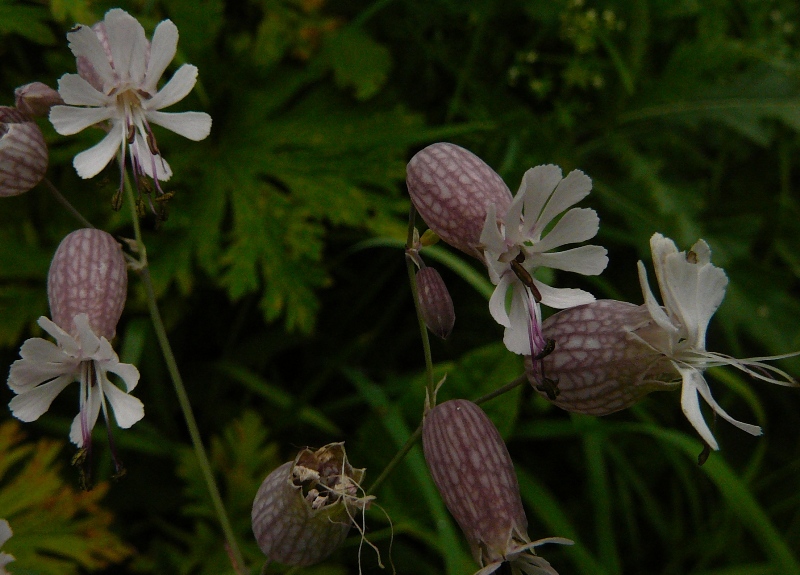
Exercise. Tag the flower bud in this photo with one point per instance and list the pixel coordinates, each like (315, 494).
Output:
(304, 509)
(451, 188)
(472, 469)
(601, 363)
(36, 99)
(435, 302)
(88, 275)
(23, 153)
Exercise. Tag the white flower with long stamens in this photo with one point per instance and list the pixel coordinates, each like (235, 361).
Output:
(117, 84)
(692, 289)
(516, 245)
(5, 535)
(46, 369)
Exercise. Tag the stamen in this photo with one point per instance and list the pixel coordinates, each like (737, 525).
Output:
(524, 276)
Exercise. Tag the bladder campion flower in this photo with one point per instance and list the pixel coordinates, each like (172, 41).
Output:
(86, 287)
(611, 354)
(23, 152)
(516, 245)
(474, 474)
(117, 87)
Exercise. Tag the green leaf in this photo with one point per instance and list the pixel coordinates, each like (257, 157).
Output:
(357, 61)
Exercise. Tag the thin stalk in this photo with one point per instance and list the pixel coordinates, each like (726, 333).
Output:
(180, 390)
(65, 202)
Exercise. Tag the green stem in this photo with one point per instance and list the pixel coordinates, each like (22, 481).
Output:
(180, 390)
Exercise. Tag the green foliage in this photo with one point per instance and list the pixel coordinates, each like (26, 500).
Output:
(57, 530)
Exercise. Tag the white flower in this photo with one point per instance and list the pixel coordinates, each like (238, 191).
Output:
(117, 82)
(5, 535)
(46, 369)
(692, 289)
(522, 559)
(517, 245)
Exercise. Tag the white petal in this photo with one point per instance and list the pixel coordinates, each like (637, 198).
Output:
(517, 336)
(92, 411)
(84, 43)
(569, 191)
(586, 260)
(40, 350)
(162, 51)
(656, 311)
(75, 91)
(90, 343)
(128, 373)
(660, 248)
(151, 164)
(64, 340)
(91, 162)
(513, 220)
(128, 45)
(127, 409)
(577, 225)
(175, 90)
(497, 303)
(29, 406)
(193, 125)
(537, 185)
(26, 374)
(693, 292)
(562, 298)
(69, 120)
(491, 238)
(5, 532)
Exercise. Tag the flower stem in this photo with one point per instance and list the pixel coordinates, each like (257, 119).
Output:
(65, 202)
(183, 399)
(423, 330)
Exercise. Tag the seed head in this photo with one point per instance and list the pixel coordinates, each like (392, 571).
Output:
(451, 189)
(88, 275)
(304, 509)
(600, 363)
(435, 302)
(23, 153)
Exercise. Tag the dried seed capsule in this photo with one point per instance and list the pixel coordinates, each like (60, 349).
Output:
(472, 469)
(304, 509)
(88, 275)
(451, 188)
(23, 153)
(601, 363)
(435, 302)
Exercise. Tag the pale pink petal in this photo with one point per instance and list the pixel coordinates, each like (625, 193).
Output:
(91, 162)
(175, 90)
(29, 406)
(128, 45)
(127, 409)
(586, 260)
(69, 120)
(84, 43)
(162, 51)
(75, 91)
(577, 225)
(193, 125)
(562, 298)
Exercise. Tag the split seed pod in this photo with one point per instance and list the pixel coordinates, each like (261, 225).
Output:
(473, 471)
(304, 509)
(601, 363)
(23, 153)
(435, 302)
(451, 188)
(88, 275)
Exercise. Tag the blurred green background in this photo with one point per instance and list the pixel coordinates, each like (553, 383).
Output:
(283, 285)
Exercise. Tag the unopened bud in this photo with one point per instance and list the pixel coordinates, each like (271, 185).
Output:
(88, 275)
(601, 363)
(304, 509)
(36, 99)
(23, 153)
(435, 302)
(451, 188)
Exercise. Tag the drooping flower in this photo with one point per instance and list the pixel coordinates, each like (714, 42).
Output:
(473, 471)
(611, 354)
(87, 285)
(5, 535)
(304, 509)
(117, 87)
(515, 245)
(452, 189)
(23, 153)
